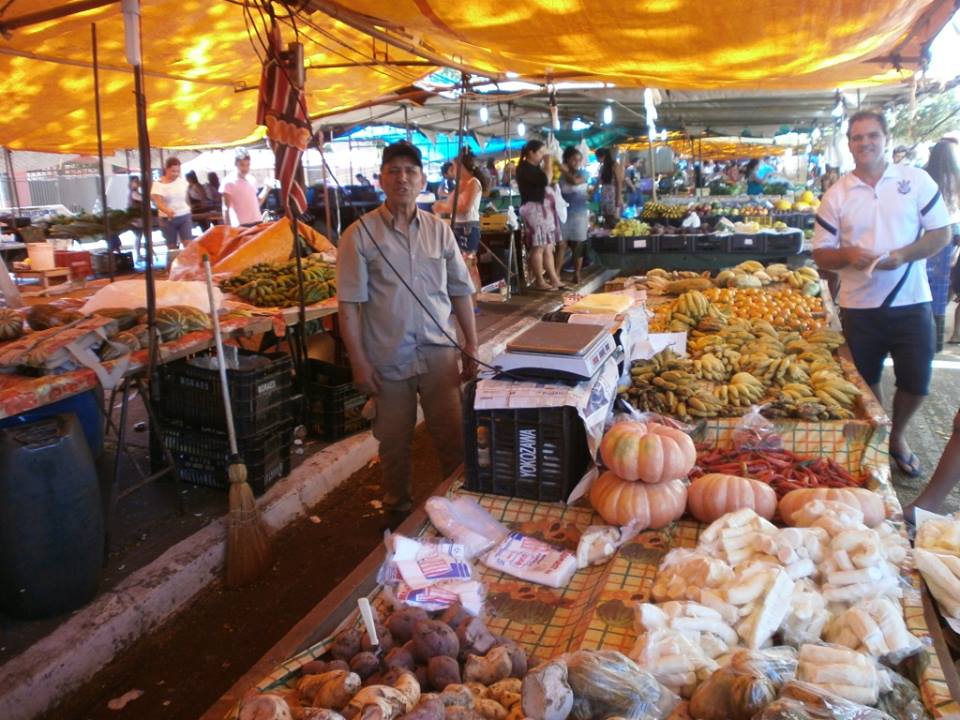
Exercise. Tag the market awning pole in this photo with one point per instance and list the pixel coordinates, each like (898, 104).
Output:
(406, 120)
(506, 142)
(328, 218)
(131, 24)
(460, 116)
(103, 175)
(653, 167)
(14, 192)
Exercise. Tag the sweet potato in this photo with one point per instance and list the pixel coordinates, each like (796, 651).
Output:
(459, 712)
(491, 709)
(365, 664)
(429, 709)
(401, 623)
(496, 665)
(318, 667)
(442, 670)
(432, 638)
(474, 637)
(399, 657)
(518, 656)
(384, 638)
(457, 695)
(454, 615)
(346, 645)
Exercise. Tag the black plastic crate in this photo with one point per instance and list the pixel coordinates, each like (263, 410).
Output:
(640, 243)
(260, 393)
(607, 244)
(708, 243)
(334, 403)
(740, 243)
(202, 456)
(788, 243)
(673, 243)
(537, 453)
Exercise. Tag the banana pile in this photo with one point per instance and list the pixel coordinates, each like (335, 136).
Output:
(275, 284)
(749, 273)
(746, 363)
(665, 282)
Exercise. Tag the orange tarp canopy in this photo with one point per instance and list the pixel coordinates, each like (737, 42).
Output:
(677, 44)
(197, 57)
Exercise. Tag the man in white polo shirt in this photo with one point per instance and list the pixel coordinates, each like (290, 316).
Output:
(241, 201)
(875, 227)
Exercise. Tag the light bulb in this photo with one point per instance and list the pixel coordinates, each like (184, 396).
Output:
(607, 115)
(521, 129)
(484, 114)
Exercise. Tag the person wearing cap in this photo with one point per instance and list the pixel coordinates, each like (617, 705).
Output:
(401, 281)
(241, 201)
(875, 227)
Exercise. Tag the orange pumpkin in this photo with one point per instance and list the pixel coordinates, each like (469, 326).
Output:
(621, 501)
(649, 452)
(866, 501)
(716, 494)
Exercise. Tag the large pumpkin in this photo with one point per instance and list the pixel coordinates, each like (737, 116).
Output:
(649, 452)
(621, 501)
(716, 494)
(866, 501)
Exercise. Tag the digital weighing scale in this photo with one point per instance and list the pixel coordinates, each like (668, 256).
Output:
(557, 351)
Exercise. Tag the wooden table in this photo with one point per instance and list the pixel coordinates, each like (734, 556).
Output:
(43, 275)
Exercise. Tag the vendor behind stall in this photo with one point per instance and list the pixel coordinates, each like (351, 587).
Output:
(169, 194)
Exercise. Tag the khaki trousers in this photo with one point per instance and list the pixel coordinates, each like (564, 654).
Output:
(439, 393)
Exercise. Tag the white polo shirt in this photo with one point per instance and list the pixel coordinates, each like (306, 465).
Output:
(905, 202)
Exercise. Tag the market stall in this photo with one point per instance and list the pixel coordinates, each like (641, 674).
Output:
(709, 233)
(683, 609)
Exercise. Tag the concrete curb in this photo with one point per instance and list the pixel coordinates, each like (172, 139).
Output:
(73, 653)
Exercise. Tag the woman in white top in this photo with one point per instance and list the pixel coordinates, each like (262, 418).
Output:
(466, 224)
(169, 194)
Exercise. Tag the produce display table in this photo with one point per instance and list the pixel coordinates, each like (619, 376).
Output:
(595, 611)
(21, 393)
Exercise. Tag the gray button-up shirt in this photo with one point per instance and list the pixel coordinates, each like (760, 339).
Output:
(395, 326)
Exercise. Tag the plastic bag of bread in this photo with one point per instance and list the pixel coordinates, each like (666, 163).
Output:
(744, 687)
(803, 701)
(606, 683)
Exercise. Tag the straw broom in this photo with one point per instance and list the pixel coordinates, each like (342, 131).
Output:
(248, 547)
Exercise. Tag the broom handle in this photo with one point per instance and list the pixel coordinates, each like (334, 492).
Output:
(221, 361)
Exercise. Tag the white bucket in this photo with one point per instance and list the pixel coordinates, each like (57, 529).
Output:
(41, 256)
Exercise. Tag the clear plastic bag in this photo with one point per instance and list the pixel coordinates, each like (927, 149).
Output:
(463, 521)
(608, 684)
(803, 701)
(755, 432)
(745, 686)
(628, 413)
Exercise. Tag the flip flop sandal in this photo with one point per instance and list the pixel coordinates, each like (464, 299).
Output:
(909, 466)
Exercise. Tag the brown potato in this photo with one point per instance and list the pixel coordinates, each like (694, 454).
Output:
(401, 622)
(399, 657)
(432, 638)
(365, 664)
(346, 645)
(442, 671)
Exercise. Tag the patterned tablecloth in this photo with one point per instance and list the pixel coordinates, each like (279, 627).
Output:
(21, 393)
(596, 609)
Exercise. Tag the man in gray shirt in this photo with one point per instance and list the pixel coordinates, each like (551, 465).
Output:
(400, 349)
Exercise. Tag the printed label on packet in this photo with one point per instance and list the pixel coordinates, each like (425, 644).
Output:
(532, 560)
(421, 565)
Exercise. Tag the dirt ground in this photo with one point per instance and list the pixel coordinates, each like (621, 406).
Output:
(185, 667)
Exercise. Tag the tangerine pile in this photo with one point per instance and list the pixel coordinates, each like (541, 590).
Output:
(786, 308)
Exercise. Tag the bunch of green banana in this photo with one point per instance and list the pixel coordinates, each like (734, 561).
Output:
(779, 371)
(710, 367)
(832, 389)
(743, 390)
(830, 339)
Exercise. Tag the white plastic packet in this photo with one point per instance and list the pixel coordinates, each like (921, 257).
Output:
(532, 560)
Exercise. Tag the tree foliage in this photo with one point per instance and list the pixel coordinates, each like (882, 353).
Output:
(936, 114)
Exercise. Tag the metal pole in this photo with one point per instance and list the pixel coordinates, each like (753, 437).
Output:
(328, 218)
(103, 175)
(653, 167)
(14, 192)
(406, 121)
(146, 216)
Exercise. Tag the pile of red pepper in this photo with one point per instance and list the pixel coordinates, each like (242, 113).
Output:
(780, 469)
